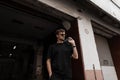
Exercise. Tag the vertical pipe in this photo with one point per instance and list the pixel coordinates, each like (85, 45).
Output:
(94, 72)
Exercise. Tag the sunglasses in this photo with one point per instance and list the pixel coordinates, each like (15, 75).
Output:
(62, 34)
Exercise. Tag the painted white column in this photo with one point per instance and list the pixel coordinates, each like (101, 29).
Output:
(88, 44)
(89, 50)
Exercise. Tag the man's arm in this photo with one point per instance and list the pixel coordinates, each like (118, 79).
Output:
(49, 67)
(75, 52)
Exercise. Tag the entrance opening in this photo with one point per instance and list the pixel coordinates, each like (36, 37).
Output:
(24, 41)
(21, 37)
(16, 61)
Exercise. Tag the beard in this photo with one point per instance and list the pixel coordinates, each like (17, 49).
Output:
(62, 39)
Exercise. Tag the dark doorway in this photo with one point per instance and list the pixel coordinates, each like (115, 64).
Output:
(114, 44)
(16, 61)
(30, 25)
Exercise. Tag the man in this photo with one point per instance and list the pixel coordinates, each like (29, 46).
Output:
(59, 57)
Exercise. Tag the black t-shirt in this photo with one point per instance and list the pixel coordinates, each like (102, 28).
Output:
(60, 55)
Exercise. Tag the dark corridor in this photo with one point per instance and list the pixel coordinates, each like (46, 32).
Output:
(16, 61)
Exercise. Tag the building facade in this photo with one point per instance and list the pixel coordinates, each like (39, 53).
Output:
(27, 30)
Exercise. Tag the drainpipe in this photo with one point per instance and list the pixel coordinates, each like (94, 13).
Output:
(94, 72)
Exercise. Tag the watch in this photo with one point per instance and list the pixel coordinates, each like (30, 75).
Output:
(73, 46)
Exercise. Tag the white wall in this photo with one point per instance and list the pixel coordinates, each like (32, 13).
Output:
(71, 8)
(64, 6)
(109, 7)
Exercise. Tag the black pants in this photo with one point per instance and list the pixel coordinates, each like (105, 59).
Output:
(59, 77)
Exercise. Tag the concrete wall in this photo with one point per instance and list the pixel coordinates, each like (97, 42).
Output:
(71, 8)
(112, 7)
(68, 7)
(90, 55)
(88, 44)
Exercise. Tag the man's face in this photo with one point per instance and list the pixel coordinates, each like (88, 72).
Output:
(61, 36)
